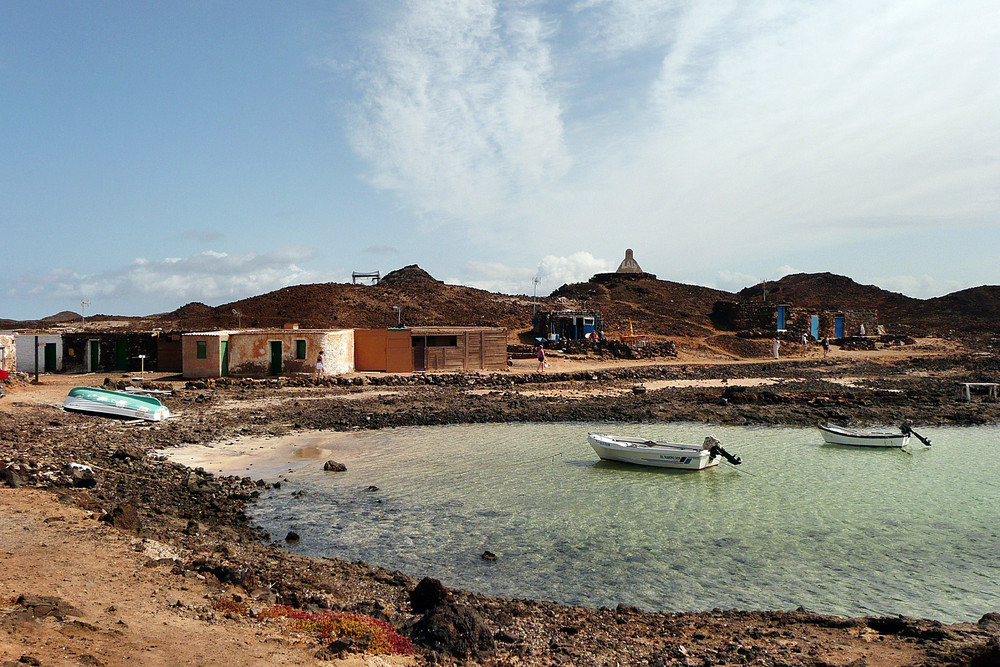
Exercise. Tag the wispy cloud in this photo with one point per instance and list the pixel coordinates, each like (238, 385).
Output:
(551, 273)
(767, 127)
(458, 115)
(209, 276)
(381, 250)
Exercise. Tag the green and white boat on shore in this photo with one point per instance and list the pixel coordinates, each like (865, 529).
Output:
(93, 400)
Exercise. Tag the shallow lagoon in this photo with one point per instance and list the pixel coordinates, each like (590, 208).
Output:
(837, 530)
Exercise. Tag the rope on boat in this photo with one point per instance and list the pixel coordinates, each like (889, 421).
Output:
(542, 458)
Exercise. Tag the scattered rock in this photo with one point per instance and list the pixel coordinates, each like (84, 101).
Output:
(455, 629)
(429, 593)
(124, 516)
(292, 536)
(334, 466)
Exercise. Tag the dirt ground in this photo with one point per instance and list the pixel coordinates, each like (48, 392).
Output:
(110, 598)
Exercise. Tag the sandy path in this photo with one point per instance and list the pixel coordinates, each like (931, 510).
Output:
(128, 610)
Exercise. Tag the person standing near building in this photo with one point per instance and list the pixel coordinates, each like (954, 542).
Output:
(319, 363)
(826, 346)
(775, 344)
(805, 340)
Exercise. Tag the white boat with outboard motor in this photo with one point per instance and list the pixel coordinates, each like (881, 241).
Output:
(659, 454)
(841, 435)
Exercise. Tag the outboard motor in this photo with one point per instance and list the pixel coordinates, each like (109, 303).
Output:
(715, 450)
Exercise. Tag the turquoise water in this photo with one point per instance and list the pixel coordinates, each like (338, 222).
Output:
(837, 530)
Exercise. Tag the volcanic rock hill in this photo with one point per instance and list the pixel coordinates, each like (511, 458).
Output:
(656, 308)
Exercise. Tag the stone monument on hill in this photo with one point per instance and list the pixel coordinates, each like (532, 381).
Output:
(629, 269)
(629, 265)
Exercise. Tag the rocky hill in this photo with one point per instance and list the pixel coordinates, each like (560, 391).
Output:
(656, 308)
(974, 311)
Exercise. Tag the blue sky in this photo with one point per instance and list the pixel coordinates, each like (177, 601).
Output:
(154, 154)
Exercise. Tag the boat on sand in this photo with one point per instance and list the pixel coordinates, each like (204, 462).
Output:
(659, 454)
(93, 400)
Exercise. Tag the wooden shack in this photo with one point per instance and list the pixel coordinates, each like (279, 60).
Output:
(430, 349)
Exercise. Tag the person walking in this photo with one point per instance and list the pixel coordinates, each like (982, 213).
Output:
(826, 346)
(541, 360)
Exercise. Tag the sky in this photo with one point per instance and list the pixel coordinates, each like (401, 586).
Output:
(156, 154)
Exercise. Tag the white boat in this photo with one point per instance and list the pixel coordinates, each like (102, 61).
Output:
(839, 435)
(93, 400)
(658, 454)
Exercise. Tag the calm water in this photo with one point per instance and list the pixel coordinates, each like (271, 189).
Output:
(837, 530)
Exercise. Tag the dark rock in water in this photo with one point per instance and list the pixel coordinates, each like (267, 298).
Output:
(334, 466)
(373, 488)
(124, 517)
(429, 593)
(292, 536)
(456, 630)
(990, 621)
(488, 555)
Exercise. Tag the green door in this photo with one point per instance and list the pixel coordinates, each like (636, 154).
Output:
(95, 356)
(121, 355)
(224, 349)
(50, 357)
(275, 357)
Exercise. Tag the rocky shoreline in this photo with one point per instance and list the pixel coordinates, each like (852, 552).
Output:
(204, 516)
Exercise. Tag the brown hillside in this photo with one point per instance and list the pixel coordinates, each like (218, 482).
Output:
(655, 307)
(421, 300)
(975, 310)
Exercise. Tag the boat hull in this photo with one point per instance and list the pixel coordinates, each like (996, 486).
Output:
(92, 400)
(835, 435)
(653, 454)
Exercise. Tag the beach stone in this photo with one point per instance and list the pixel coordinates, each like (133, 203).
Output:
(292, 536)
(454, 629)
(334, 466)
(429, 593)
(9, 477)
(488, 555)
(124, 516)
(127, 453)
(81, 477)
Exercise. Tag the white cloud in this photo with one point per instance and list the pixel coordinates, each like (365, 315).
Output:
(145, 286)
(457, 115)
(576, 268)
(768, 128)
(918, 287)
(552, 272)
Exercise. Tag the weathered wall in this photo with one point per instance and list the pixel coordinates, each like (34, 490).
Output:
(25, 349)
(338, 352)
(211, 366)
(8, 354)
(250, 351)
